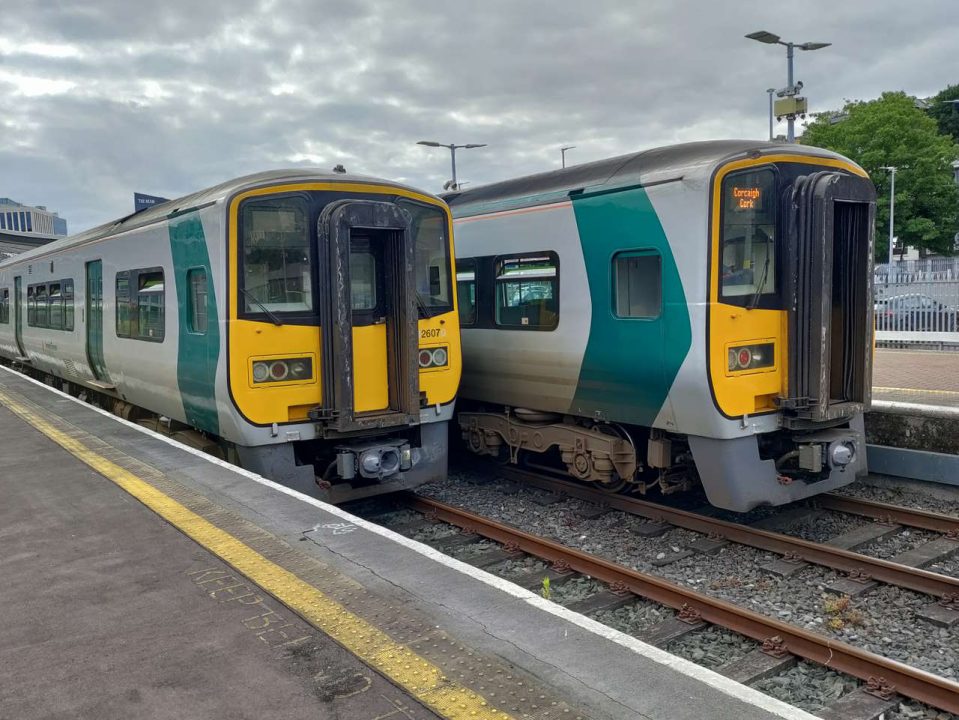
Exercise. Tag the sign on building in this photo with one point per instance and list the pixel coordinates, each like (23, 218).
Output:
(142, 201)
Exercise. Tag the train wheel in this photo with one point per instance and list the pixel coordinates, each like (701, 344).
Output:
(615, 483)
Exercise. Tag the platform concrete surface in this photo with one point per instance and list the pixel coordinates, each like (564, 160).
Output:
(925, 377)
(144, 579)
(109, 613)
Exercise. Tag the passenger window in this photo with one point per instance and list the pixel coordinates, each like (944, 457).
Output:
(466, 291)
(31, 306)
(198, 314)
(638, 284)
(68, 304)
(123, 304)
(150, 320)
(56, 307)
(527, 291)
(5, 306)
(276, 251)
(362, 281)
(140, 304)
(43, 310)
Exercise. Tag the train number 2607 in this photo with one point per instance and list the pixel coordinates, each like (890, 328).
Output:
(430, 333)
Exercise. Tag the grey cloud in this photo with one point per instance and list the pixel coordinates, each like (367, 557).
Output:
(170, 97)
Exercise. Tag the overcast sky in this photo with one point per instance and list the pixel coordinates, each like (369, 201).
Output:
(104, 97)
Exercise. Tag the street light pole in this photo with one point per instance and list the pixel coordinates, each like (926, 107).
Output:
(770, 91)
(892, 205)
(563, 152)
(792, 89)
(452, 184)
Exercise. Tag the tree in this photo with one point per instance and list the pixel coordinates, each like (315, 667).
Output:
(891, 130)
(946, 113)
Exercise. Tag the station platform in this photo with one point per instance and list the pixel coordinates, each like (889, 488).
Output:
(141, 578)
(923, 377)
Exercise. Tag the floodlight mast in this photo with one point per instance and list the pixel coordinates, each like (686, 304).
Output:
(452, 184)
(792, 89)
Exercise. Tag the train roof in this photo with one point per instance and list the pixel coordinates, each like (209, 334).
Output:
(671, 162)
(203, 198)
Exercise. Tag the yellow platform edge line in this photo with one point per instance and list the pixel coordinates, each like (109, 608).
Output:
(917, 391)
(419, 677)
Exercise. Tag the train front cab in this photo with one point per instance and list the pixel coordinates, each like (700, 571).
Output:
(789, 329)
(344, 354)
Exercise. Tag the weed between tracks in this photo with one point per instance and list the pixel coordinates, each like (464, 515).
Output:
(840, 612)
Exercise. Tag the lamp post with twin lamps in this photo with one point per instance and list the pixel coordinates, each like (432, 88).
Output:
(791, 104)
(451, 185)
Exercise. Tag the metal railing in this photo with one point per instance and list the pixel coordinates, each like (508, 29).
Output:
(917, 304)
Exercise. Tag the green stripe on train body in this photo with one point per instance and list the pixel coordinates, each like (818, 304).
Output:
(630, 363)
(197, 353)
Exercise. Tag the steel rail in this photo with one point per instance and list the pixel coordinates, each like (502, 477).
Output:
(858, 565)
(908, 681)
(922, 519)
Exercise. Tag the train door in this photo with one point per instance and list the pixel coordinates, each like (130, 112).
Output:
(368, 316)
(18, 315)
(371, 308)
(94, 321)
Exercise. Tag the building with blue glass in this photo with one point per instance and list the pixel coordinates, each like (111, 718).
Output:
(18, 217)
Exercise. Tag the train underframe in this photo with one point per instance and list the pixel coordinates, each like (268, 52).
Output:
(737, 474)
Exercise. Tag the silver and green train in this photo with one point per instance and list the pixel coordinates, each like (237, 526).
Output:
(701, 309)
(297, 322)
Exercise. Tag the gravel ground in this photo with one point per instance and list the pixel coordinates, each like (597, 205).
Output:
(434, 532)
(891, 546)
(882, 621)
(473, 550)
(922, 496)
(947, 567)
(911, 710)
(634, 618)
(820, 528)
(712, 647)
(579, 588)
(520, 569)
(808, 686)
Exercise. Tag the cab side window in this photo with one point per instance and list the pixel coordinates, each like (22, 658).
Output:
(638, 284)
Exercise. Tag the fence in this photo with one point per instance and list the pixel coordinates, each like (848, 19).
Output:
(917, 304)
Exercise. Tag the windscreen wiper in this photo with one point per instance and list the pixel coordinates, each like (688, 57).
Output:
(762, 284)
(423, 307)
(273, 318)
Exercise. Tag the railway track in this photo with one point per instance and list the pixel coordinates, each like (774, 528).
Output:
(861, 569)
(883, 677)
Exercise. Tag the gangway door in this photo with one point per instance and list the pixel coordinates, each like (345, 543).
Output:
(368, 317)
(829, 287)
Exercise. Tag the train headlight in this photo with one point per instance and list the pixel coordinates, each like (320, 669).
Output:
(282, 370)
(430, 358)
(751, 357)
(299, 370)
(261, 372)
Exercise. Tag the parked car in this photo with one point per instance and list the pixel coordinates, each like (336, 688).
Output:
(914, 311)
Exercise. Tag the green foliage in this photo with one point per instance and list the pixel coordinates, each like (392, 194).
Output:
(945, 113)
(891, 130)
(546, 592)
